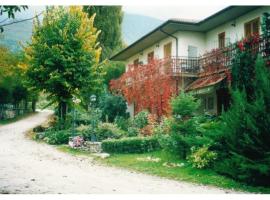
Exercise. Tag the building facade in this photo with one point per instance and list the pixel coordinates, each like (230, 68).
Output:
(192, 48)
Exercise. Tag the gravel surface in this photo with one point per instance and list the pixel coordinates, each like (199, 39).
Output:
(28, 167)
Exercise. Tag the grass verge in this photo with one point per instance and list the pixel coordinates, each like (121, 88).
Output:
(187, 173)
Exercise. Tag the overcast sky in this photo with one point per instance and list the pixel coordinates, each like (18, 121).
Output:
(160, 12)
(167, 12)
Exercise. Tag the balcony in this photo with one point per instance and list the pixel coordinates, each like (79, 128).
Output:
(216, 60)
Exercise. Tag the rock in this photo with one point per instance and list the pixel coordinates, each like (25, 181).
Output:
(102, 155)
(92, 147)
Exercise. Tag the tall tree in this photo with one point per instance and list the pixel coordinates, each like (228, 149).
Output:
(108, 20)
(64, 54)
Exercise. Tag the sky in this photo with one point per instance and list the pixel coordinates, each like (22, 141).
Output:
(159, 12)
(167, 12)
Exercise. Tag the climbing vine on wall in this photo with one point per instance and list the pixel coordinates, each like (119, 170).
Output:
(148, 86)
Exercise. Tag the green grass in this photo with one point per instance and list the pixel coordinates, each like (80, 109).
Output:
(186, 173)
(75, 152)
(8, 121)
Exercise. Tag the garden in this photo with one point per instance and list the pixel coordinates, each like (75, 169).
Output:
(66, 61)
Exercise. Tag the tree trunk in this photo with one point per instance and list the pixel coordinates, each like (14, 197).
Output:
(62, 111)
(34, 102)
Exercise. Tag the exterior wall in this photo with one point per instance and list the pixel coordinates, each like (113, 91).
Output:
(130, 109)
(186, 38)
(234, 33)
(158, 51)
(203, 42)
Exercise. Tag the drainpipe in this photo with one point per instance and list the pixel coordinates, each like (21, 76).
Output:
(176, 51)
(176, 40)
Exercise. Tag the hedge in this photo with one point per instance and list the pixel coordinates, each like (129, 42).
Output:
(131, 145)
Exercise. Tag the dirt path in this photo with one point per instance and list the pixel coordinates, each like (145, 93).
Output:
(30, 167)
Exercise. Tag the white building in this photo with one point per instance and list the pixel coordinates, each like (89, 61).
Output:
(189, 39)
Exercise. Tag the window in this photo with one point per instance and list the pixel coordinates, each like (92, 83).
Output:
(208, 103)
(252, 27)
(221, 40)
(150, 57)
(136, 62)
(168, 50)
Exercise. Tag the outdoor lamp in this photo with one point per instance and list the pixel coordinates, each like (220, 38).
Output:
(93, 98)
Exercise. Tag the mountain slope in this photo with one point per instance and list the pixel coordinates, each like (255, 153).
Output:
(133, 27)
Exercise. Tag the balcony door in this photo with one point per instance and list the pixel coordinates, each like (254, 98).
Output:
(192, 51)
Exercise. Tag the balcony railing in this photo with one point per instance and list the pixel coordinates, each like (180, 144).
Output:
(217, 59)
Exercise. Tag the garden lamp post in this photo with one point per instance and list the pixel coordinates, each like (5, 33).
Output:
(93, 99)
(75, 101)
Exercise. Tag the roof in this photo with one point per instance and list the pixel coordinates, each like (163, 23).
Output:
(173, 25)
(206, 81)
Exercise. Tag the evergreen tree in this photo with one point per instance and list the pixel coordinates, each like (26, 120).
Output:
(245, 143)
(108, 20)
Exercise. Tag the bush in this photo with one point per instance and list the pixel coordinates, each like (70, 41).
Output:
(108, 130)
(57, 137)
(244, 145)
(202, 157)
(131, 145)
(112, 106)
(141, 119)
(133, 131)
(122, 123)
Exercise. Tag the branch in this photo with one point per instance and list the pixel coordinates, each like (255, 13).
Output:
(15, 22)
(3, 20)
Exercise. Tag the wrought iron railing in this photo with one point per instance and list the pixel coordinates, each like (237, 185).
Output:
(217, 59)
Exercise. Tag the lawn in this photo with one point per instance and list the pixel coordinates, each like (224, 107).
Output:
(186, 172)
(8, 121)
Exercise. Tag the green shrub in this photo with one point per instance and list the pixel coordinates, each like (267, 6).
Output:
(122, 123)
(133, 131)
(202, 157)
(141, 119)
(113, 106)
(57, 137)
(131, 145)
(108, 130)
(184, 105)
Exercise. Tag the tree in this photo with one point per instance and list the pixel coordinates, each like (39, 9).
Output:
(10, 10)
(113, 70)
(12, 77)
(243, 65)
(108, 20)
(112, 106)
(64, 55)
(245, 150)
(149, 87)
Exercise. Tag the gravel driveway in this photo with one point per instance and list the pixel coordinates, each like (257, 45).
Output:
(30, 167)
